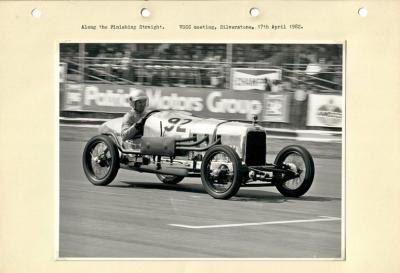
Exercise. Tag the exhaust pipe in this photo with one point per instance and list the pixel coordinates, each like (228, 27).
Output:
(162, 170)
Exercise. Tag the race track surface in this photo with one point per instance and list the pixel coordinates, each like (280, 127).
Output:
(137, 216)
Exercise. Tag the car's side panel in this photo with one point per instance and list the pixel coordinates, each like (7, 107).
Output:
(180, 124)
(111, 126)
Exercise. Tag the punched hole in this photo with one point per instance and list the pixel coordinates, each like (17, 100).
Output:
(145, 12)
(36, 13)
(254, 12)
(363, 12)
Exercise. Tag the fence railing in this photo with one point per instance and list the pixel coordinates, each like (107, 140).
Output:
(188, 73)
(323, 76)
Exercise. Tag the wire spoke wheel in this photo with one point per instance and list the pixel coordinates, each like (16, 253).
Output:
(100, 160)
(295, 163)
(221, 172)
(299, 162)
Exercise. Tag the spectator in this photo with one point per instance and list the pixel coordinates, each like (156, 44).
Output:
(116, 64)
(164, 76)
(198, 55)
(299, 106)
(210, 57)
(268, 85)
(102, 54)
(126, 68)
(275, 88)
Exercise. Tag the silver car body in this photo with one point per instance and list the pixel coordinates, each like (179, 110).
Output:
(180, 124)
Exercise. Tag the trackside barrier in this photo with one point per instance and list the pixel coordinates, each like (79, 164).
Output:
(215, 103)
(322, 110)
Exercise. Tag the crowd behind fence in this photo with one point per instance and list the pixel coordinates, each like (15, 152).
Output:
(204, 65)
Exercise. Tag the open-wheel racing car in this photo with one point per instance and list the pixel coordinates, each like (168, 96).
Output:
(225, 154)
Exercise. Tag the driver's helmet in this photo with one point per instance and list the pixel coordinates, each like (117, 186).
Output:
(134, 99)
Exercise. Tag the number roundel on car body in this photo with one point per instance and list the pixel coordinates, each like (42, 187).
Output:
(177, 124)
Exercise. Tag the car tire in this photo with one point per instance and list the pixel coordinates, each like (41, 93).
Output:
(306, 178)
(170, 179)
(236, 172)
(110, 160)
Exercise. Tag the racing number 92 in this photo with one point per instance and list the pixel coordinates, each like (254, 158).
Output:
(176, 122)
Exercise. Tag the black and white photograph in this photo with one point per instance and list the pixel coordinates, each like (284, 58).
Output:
(201, 150)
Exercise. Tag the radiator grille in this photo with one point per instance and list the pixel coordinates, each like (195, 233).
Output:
(255, 148)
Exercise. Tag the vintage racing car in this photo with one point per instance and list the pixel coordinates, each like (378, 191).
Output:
(226, 154)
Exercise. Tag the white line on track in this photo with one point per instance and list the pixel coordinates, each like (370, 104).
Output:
(195, 196)
(321, 219)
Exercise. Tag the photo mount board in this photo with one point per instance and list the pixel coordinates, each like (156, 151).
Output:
(29, 99)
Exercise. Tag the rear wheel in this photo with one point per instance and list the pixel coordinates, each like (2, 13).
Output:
(170, 179)
(221, 172)
(299, 161)
(100, 160)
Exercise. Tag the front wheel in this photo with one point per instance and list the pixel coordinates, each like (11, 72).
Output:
(221, 172)
(298, 160)
(170, 179)
(100, 160)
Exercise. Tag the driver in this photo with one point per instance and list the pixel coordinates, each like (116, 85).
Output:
(132, 122)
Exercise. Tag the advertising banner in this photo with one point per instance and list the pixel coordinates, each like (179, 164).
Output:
(71, 96)
(204, 102)
(325, 110)
(276, 108)
(253, 78)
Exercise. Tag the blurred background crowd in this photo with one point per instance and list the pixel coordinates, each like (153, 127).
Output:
(204, 65)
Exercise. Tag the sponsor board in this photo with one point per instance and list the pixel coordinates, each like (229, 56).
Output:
(325, 110)
(201, 101)
(71, 97)
(276, 108)
(252, 78)
(224, 104)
